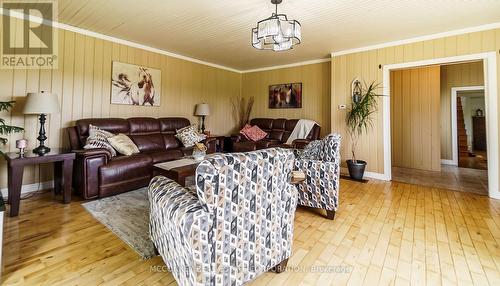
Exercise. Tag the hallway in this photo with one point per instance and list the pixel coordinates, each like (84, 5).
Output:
(450, 177)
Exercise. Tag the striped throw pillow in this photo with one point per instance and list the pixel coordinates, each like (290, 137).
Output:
(98, 138)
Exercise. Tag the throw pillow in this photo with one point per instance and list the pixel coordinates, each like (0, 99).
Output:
(254, 133)
(98, 138)
(312, 151)
(123, 144)
(245, 128)
(189, 136)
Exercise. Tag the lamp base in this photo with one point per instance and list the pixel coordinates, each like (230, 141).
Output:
(41, 150)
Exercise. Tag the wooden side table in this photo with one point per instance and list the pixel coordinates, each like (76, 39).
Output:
(63, 170)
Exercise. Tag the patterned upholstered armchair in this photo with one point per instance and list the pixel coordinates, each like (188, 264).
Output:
(237, 224)
(322, 170)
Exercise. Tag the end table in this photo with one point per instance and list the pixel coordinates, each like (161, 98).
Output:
(63, 170)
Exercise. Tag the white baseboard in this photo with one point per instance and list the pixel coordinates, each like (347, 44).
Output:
(447, 162)
(26, 189)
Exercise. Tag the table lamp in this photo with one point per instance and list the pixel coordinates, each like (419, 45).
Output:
(41, 103)
(202, 110)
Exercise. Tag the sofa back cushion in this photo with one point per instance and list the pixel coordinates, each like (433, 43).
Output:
(145, 132)
(281, 128)
(113, 125)
(169, 127)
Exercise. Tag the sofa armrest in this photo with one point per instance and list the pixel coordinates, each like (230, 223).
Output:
(238, 138)
(86, 170)
(300, 143)
(322, 177)
(86, 153)
(177, 222)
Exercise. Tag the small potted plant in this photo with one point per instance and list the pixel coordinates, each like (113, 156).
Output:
(359, 120)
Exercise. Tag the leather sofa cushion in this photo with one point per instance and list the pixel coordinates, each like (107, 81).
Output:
(244, 146)
(169, 125)
(171, 142)
(266, 143)
(148, 142)
(113, 125)
(123, 168)
(165, 155)
(144, 125)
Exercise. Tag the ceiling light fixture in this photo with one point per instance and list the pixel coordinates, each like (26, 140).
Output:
(276, 33)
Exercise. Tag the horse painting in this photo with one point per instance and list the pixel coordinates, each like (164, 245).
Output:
(135, 85)
(285, 95)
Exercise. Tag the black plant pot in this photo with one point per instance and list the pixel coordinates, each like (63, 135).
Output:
(356, 170)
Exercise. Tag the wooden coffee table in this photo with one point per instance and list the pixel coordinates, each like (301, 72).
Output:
(178, 174)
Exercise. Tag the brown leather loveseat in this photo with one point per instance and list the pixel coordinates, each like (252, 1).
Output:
(96, 174)
(278, 131)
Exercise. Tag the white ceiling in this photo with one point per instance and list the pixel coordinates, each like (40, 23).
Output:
(218, 31)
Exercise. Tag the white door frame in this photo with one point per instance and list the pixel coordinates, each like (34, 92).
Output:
(491, 101)
(454, 140)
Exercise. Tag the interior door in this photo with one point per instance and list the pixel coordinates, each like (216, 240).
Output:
(415, 118)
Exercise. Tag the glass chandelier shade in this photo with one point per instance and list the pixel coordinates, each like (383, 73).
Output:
(276, 33)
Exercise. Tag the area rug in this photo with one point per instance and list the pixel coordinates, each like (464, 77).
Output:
(127, 215)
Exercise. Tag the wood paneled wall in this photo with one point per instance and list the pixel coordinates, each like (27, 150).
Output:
(316, 94)
(83, 83)
(415, 120)
(365, 65)
(456, 75)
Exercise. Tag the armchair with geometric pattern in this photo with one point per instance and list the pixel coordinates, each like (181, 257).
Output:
(320, 162)
(237, 224)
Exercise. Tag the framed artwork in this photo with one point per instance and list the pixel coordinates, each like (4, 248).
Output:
(287, 95)
(135, 85)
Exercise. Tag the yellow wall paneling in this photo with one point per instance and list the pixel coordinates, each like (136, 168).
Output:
(415, 120)
(316, 93)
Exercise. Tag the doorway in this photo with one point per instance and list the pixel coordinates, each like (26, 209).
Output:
(490, 100)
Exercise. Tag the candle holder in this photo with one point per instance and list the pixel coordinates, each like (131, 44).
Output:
(21, 144)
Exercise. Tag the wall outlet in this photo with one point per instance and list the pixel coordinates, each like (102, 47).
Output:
(342, 107)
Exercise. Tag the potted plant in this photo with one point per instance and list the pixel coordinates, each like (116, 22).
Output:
(358, 120)
(6, 129)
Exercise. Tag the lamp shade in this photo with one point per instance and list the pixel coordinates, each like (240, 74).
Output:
(202, 109)
(41, 103)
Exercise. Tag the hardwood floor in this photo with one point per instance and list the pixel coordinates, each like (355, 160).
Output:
(450, 177)
(384, 233)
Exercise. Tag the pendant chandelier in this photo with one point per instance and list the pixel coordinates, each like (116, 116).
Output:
(276, 33)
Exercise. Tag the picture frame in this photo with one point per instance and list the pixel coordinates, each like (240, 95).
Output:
(135, 85)
(285, 95)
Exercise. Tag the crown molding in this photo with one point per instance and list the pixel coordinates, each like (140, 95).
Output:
(418, 39)
(288, 65)
(85, 32)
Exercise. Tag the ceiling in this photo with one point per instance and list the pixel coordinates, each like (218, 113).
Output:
(218, 31)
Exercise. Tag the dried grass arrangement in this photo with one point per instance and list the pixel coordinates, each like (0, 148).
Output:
(242, 108)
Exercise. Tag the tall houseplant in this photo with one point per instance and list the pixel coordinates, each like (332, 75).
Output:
(358, 120)
(6, 129)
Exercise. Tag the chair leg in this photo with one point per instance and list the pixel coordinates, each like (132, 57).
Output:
(330, 214)
(281, 267)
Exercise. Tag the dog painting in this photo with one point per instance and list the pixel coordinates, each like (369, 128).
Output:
(287, 95)
(135, 85)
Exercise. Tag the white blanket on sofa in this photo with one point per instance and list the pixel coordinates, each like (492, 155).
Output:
(301, 130)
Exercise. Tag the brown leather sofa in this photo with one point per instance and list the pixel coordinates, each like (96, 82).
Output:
(96, 174)
(278, 131)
